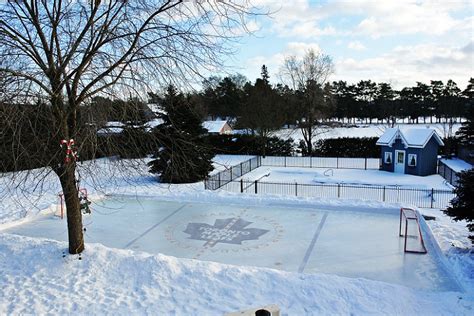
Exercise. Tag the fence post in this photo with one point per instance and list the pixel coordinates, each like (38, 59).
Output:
(241, 169)
(451, 177)
(337, 162)
(311, 161)
(338, 190)
(296, 189)
(256, 181)
(231, 173)
(383, 198)
(365, 163)
(432, 197)
(285, 161)
(219, 180)
(241, 185)
(250, 161)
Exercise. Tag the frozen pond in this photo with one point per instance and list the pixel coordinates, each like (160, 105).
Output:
(344, 242)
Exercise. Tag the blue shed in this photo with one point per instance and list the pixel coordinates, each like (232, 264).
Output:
(412, 151)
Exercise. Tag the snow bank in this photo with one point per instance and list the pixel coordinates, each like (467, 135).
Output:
(37, 279)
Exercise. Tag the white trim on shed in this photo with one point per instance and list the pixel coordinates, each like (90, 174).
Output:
(415, 138)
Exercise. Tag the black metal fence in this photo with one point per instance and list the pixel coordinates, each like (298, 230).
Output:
(446, 172)
(223, 177)
(426, 198)
(322, 162)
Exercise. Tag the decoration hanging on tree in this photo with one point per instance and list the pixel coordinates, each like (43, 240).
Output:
(71, 151)
(84, 204)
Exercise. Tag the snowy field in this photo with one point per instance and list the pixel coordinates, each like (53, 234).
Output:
(37, 279)
(362, 130)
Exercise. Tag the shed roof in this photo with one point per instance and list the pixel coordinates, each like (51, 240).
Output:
(415, 137)
(214, 126)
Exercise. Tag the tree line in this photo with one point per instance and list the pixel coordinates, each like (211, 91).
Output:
(368, 101)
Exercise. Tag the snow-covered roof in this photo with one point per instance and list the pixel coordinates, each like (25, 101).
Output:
(457, 164)
(415, 137)
(214, 126)
(156, 108)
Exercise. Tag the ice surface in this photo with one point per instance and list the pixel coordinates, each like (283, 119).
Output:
(343, 242)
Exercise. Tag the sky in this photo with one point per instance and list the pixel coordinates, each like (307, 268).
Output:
(400, 42)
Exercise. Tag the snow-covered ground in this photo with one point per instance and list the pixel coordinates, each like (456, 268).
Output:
(346, 176)
(222, 162)
(36, 278)
(361, 130)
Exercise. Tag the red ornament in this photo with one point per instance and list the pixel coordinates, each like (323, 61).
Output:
(71, 153)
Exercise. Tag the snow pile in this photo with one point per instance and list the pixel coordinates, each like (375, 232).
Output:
(37, 279)
(452, 238)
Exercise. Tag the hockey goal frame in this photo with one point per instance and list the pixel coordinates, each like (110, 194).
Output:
(407, 215)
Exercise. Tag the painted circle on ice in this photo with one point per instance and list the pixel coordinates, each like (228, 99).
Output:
(225, 232)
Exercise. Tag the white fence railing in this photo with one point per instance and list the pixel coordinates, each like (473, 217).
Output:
(322, 162)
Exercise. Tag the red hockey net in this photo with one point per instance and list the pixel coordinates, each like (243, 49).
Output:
(410, 229)
(61, 207)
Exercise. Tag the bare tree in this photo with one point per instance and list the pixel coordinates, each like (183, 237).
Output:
(309, 78)
(63, 53)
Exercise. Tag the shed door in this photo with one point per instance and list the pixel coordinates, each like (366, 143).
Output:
(399, 161)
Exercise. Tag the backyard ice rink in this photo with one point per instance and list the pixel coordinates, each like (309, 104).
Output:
(345, 241)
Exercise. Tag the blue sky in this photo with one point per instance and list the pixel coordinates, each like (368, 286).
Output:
(400, 42)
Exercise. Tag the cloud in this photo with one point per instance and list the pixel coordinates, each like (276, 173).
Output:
(275, 61)
(356, 45)
(309, 19)
(405, 65)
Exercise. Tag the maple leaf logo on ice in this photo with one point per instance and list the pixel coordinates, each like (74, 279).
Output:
(228, 230)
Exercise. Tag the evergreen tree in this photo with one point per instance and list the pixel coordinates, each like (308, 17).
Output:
(265, 75)
(465, 134)
(462, 206)
(469, 91)
(263, 111)
(182, 156)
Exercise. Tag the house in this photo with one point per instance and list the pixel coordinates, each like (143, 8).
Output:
(413, 151)
(217, 127)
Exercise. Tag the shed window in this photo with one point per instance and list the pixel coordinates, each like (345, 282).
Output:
(412, 160)
(388, 157)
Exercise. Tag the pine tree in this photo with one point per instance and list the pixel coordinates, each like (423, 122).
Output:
(462, 206)
(465, 134)
(182, 156)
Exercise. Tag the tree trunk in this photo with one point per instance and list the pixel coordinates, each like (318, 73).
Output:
(73, 210)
